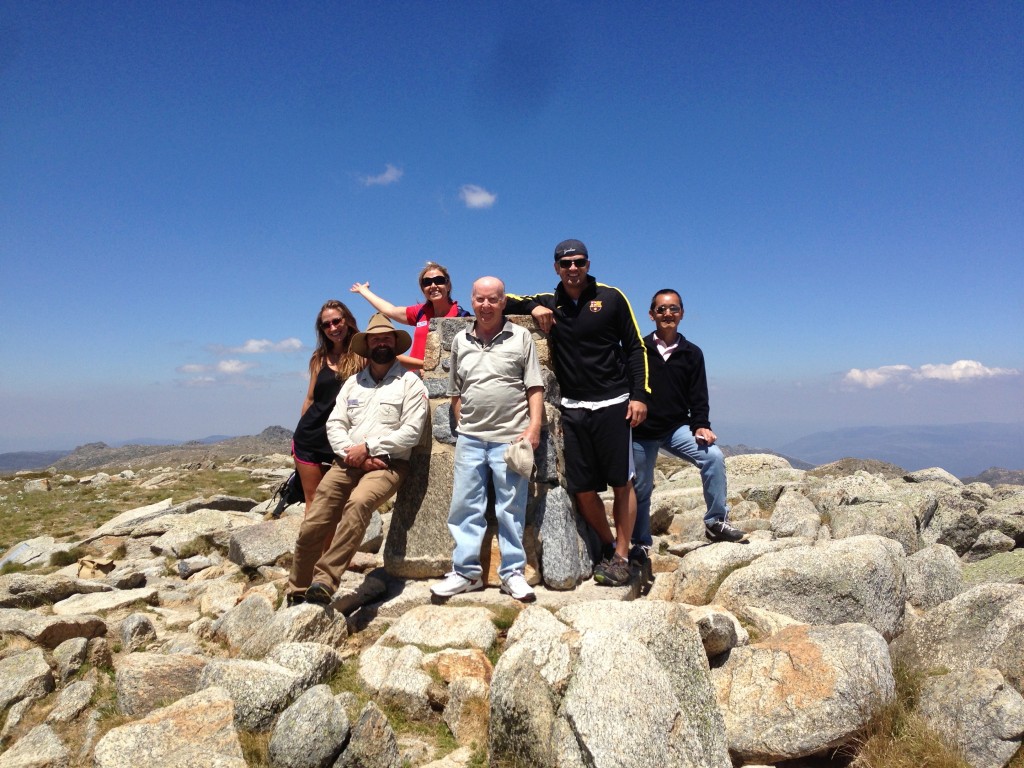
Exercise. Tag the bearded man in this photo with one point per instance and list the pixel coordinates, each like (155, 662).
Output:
(377, 420)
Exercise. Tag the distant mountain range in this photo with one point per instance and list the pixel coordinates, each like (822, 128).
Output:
(990, 452)
(963, 449)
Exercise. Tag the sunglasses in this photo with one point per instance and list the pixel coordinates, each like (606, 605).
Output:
(426, 282)
(569, 263)
(672, 309)
(328, 324)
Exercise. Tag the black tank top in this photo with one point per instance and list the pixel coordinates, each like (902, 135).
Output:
(311, 431)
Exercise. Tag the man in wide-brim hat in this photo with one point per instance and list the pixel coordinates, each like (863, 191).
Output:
(377, 420)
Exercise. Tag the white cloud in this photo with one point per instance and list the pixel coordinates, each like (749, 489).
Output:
(260, 346)
(200, 381)
(233, 366)
(962, 370)
(476, 197)
(903, 376)
(390, 176)
(877, 377)
(191, 368)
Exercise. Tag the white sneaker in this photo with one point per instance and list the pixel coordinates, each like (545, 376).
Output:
(516, 586)
(455, 584)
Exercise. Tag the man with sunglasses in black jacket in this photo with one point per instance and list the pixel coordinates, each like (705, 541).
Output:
(601, 367)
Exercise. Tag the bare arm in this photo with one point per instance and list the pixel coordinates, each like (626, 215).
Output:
(309, 394)
(412, 363)
(381, 305)
(457, 408)
(535, 404)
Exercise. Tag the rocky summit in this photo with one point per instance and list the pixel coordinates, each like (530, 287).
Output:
(159, 637)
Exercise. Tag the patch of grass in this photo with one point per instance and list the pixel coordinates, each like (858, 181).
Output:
(897, 737)
(346, 680)
(255, 748)
(200, 545)
(120, 552)
(12, 567)
(68, 557)
(504, 617)
(479, 758)
(1017, 761)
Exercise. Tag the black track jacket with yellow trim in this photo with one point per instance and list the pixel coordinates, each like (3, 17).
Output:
(595, 343)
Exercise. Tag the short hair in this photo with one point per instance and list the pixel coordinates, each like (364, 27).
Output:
(665, 290)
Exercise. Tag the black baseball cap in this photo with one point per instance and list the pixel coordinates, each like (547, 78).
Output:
(571, 248)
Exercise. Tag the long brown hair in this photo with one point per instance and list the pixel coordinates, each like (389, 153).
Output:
(349, 362)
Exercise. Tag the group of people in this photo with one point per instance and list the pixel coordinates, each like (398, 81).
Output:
(624, 398)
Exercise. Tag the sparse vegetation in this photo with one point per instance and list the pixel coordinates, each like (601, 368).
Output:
(898, 738)
(255, 748)
(200, 545)
(68, 557)
(70, 509)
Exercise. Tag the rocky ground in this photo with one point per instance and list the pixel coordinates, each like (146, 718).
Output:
(157, 637)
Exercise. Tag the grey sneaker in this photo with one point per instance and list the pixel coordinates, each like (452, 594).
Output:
(720, 530)
(515, 585)
(613, 572)
(455, 584)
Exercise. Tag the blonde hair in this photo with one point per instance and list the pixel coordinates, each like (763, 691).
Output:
(431, 266)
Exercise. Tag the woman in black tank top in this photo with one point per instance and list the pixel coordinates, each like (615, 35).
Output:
(331, 363)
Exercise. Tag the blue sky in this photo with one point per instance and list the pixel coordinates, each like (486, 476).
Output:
(836, 189)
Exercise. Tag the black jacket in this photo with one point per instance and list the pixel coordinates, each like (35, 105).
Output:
(596, 346)
(679, 388)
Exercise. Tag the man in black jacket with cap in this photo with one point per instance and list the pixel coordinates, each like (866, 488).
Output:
(601, 368)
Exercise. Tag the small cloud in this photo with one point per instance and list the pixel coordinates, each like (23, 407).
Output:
(200, 381)
(877, 377)
(191, 368)
(903, 376)
(476, 197)
(261, 346)
(390, 176)
(233, 366)
(962, 370)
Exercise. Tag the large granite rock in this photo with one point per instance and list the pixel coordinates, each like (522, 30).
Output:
(860, 579)
(803, 690)
(196, 730)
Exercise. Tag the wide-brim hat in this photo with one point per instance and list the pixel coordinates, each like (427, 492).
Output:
(380, 323)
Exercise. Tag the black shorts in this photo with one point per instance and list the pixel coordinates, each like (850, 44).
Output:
(598, 448)
(306, 456)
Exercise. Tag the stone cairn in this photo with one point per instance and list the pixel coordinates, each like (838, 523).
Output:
(560, 548)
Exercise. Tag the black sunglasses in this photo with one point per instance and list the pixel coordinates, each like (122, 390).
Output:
(326, 324)
(569, 263)
(436, 280)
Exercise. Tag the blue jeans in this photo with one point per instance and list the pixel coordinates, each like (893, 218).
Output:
(709, 459)
(476, 461)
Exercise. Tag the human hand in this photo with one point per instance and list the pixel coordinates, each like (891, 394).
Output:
(355, 455)
(705, 435)
(359, 287)
(545, 318)
(636, 412)
(532, 436)
(372, 464)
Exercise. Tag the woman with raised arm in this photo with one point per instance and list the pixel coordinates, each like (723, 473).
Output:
(436, 285)
(331, 363)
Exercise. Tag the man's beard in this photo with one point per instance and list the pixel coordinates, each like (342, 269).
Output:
(383, 355)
